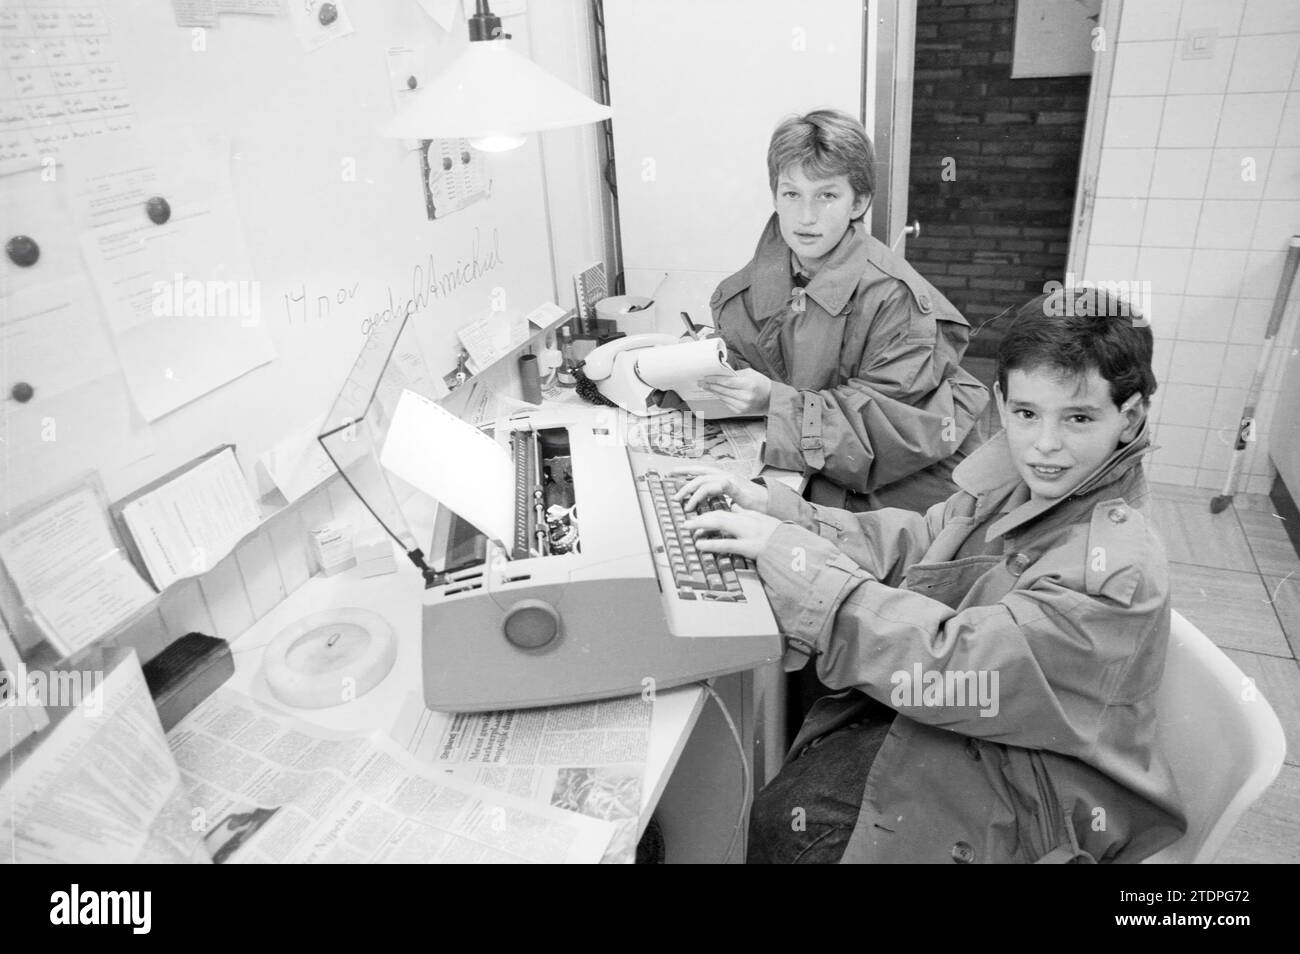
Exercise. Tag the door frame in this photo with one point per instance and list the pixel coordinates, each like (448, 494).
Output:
(893, 48)
(1094, 128)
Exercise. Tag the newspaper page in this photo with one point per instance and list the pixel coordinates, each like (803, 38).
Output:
(588, 757)
(268, 788)
(739, 448)
(102, 787)
(735, 446)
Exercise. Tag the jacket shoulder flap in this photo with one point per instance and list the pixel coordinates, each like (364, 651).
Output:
(925, 297)
(1118, 551)
(731, 286)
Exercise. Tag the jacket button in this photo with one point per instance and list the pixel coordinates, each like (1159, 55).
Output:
(963, 853)
(1117, 515)
(924, 301)
(1017, 563)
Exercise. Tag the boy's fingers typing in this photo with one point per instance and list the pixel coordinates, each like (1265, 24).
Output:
(700, 488)
(715, 483)
(745, 533)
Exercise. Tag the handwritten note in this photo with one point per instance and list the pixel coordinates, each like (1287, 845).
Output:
(62, 81)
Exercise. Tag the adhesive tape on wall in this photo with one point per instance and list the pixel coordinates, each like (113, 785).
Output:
(329, 658)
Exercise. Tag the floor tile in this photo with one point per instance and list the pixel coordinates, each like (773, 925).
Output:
(1269, 833)
(1266, 534)
(1279, 682)
(1180, 493)
(1259, 503)
(1192, 534)
(1232, 608)
(1285, 594)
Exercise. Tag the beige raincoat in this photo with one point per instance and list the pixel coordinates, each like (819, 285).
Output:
(867, 390)
(1067, 602)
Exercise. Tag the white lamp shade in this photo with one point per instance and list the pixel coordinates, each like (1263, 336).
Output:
(490, 90)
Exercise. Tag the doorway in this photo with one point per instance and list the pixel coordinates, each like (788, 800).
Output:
(995, 157)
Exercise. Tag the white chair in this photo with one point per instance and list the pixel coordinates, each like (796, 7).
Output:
(1225, 744)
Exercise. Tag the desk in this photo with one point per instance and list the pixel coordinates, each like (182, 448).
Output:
(397, 597)
(700, 806)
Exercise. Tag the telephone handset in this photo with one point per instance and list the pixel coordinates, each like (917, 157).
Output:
(600, 363)
(611, 370)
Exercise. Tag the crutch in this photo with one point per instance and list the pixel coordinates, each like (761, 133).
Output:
(1246, 429)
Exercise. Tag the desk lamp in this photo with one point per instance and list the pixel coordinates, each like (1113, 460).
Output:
(492, 95)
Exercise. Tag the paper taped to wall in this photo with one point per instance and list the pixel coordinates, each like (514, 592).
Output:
(52, 338)
(163, 241)
(64, 82)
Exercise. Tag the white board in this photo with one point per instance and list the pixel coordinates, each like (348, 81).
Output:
(333, 216)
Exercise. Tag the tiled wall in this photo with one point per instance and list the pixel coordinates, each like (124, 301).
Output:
(1198, 192)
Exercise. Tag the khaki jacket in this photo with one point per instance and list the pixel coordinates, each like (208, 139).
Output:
(1067, 603)
(867, 388)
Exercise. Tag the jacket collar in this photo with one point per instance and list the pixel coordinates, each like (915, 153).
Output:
(832, 286)
(989, 476)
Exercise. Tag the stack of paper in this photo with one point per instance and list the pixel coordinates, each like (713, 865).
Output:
(453, 462)
(186, 523)
(71, 573)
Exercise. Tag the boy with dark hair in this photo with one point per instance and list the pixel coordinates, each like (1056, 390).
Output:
(1000, 655)
(850, 354)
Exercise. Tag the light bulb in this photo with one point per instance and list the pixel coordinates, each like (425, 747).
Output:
(498, 143)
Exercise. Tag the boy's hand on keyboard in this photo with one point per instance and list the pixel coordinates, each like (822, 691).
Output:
(745, 532)
(708, 482)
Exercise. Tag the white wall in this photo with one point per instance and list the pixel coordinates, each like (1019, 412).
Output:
(697, 89)
(561, 40)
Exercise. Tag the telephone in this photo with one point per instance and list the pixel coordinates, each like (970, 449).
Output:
(613, 370)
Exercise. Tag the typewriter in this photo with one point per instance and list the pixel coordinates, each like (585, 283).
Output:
(602, 591)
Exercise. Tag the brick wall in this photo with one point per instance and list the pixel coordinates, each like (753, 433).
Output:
(991, 237)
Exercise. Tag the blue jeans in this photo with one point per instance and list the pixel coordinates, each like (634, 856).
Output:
(806, 814)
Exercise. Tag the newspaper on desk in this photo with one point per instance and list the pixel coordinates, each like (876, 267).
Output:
(587, 757)
(735, 446)
(101, 787)
(273, 789)
(242, 784)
